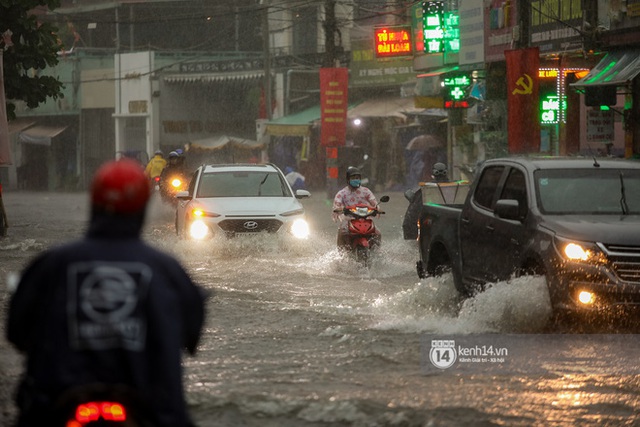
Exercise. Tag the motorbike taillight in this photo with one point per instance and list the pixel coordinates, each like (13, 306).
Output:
(89, 412)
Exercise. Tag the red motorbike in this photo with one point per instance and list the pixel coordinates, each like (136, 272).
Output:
(362, 233)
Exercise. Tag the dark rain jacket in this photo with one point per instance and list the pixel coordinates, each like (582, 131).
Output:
(107, 309)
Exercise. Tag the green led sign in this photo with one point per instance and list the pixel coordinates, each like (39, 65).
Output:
(433, 26)
(550, 109)
(452, 31)
(455, 88)
(440, 28)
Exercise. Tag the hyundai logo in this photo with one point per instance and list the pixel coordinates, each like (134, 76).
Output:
(250, 225)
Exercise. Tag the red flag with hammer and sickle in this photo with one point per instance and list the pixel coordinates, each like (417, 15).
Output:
(523, 100)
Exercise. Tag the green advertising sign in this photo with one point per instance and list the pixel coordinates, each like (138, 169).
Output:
(440, 27)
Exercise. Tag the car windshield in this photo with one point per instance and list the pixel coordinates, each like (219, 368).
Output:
(242, 184)
(588, 191)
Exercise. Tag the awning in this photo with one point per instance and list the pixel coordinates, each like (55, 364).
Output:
(298, 124)
(213, 77)
(40, 135)
(438, 71)
(220, 141)
(618, 68)
(384, 107)
(432, 112)
(18, 125)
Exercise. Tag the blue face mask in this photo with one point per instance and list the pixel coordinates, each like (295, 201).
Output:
(354, 183)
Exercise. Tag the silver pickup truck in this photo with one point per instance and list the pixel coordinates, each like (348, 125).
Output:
(575, 221)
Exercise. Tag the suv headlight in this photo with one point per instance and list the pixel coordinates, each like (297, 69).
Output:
(300, 228)
(198, 230)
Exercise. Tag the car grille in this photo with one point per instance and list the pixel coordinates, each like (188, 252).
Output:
(625, 261)
(250, 225)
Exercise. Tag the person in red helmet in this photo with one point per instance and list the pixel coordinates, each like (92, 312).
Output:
(106, 309)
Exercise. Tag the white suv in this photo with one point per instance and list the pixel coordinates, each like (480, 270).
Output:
(239, 199)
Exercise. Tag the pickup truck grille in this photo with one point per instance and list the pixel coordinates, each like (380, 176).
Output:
(625, 261)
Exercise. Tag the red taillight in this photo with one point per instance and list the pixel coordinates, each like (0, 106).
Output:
(113, 411)
(156, 179)
(88, 412)
(92, 411)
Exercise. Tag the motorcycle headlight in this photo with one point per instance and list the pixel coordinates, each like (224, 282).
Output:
(176, 183)
(300, 229)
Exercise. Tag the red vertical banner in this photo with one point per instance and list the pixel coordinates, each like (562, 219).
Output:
(523, 104)
(334, 84)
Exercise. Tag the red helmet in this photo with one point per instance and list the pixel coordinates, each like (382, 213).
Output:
(120, 187)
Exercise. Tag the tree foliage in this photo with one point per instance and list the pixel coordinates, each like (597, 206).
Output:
(33, 46)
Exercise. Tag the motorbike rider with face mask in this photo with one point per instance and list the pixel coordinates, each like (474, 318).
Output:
(108, 309)
(352, 194)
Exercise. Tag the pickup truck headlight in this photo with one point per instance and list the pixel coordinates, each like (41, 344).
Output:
(577, 251)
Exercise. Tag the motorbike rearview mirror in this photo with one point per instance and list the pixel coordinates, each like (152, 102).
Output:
(409, 194)
(384, 199)
(183, 195)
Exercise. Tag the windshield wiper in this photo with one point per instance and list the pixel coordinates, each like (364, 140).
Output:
(261, 183)
(623, 197)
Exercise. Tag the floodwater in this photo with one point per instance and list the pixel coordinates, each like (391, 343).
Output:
(298, 334)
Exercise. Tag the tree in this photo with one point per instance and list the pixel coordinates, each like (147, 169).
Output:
(29, 46)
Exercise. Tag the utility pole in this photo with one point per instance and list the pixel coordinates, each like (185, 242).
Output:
(267, 58)
(330, 28)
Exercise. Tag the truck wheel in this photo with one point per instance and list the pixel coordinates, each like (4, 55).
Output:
(422, 273)
(445, 266)
(558, 314)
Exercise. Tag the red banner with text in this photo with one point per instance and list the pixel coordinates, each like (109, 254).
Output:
(523, 105)
(334, 84)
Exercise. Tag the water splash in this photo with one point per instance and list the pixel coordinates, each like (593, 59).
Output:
(433, 305)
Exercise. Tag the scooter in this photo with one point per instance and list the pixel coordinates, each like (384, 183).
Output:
(101, 405)
(362, 231)
(155, 183)
(170, 185)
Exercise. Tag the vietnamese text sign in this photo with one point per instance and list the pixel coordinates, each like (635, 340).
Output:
(392, 41)
(334, 83)
(600, 126)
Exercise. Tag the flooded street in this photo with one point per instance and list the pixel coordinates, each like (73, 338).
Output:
(297, 334)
